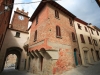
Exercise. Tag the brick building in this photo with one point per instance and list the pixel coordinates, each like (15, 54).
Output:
(5, 14)
(52, 43)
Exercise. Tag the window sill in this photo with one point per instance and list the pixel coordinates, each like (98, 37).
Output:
(59, 37)
(57, 18)
(17, 37)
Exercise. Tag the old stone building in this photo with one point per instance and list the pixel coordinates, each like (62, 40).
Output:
(88, 41)
(15, 38)
(52, 42)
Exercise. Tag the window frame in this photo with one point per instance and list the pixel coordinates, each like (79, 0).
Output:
(86, 29)
(17, 34)
(35, 36)
(82, 38)
(79, 27)
(73, 37)
(56, 14)
(89, 39)
(58, 32)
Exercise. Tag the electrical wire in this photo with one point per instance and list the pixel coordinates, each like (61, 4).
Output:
(32, 2)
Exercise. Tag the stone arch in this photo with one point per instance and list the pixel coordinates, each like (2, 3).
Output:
(13, 50)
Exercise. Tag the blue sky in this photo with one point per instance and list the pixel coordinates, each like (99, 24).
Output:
(87, 10)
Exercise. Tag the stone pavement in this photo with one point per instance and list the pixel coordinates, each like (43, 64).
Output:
(15, 72)
(93, 69)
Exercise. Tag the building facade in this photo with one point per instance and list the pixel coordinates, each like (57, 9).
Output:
(88, 41)
(15, 38)
(52, 44)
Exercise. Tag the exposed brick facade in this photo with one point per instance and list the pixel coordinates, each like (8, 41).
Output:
(4, 19)
(47, 39)
(19, 22)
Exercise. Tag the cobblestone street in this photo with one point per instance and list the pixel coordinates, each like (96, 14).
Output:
(93, 69)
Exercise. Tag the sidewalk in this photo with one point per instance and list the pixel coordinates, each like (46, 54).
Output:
(82, 70)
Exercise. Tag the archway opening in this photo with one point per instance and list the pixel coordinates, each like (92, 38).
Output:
(10, 62)
(13, 51)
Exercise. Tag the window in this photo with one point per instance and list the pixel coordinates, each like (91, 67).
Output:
(58, 32)
(36, 20)
(17, 34)
(71, 22)
(56, 14)
(97, 32)
(86, 29)
(1, 37)
(35, 36)
(95, 42)
(73, 36)
(89, 40)
(79, 27)
(91, 31)
(82, 38)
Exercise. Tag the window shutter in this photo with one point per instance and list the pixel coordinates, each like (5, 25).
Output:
(35, 36)
(89, 40)
(86, 29)
(58, 32)
(82, 38)
(73, 36)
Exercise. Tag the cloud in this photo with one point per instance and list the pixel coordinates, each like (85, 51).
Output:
(86, 10)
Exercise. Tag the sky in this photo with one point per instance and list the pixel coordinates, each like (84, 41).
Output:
(86, 10)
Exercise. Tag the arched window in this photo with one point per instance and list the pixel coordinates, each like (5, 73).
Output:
(58, 32)
(17, 34)
(73, 36)
(35, 36)
(82, 38)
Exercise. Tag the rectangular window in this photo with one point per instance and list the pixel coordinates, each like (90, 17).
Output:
(71, 22)
(89, 40)
(97, 32)
(91, 31)
(35, 36)
(58, 32)
(36, 20)
(79, 27)
(86, 29)
(1, 38)
(95, 42)
(56, 14)
(82, 38)
(17, 34)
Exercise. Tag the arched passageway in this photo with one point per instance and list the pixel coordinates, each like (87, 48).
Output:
(13, 50)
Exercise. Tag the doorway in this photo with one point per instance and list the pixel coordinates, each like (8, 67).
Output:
(86, 56)
(97, 54)
(75, 56)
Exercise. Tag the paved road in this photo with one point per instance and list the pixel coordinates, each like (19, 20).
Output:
(93, 69)
(80, 70)
(12, 71)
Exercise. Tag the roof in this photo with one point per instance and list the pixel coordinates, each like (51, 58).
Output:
(98, 2)
(81, 21)
(53, 3)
